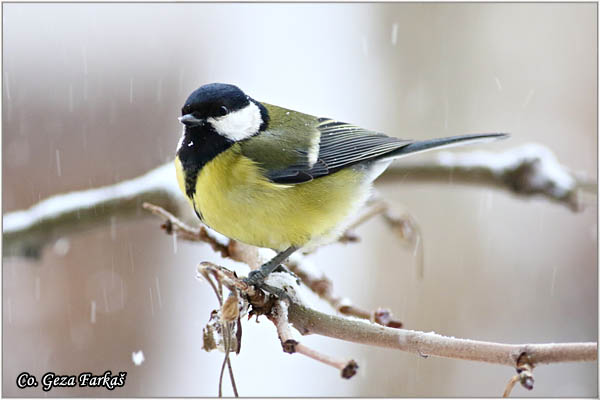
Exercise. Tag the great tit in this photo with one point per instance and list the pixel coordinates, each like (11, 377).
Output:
(276, 178)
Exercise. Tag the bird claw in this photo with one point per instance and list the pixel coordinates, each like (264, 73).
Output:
(255, 278)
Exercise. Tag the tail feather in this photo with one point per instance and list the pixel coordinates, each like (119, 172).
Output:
(424, 145)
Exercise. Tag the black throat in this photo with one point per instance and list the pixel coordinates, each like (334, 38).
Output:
(199, 146)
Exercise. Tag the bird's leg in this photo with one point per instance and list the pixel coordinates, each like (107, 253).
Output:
(258, 276)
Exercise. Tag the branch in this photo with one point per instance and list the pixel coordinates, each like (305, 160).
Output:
(225, 325)
(27, 232)
(279, 318)
(528, 170)
(174, 226)
(231, 249)
(308, 321)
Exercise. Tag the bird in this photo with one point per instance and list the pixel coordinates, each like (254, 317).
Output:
(276, 178)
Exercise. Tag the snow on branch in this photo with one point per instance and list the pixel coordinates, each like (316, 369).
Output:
(26, 232)
(527, 170)
(308, 320)
(290, 308)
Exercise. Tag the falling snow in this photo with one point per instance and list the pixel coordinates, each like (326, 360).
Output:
(62, 246)
(158, 293)
(528, 98)
(151, 301)
(137, 357)
(416, 249)
(131, 257)
(112, 271)
(93, 312)
(498, 84)
(394, 34)
(131, 90)
(58, 168)
(113, 228)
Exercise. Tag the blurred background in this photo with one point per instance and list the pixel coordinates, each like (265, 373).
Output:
(91, 95)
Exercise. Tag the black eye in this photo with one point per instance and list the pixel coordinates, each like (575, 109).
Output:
(223, 111)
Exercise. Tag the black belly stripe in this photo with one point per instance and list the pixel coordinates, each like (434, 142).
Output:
(191, 176)
(199, 146)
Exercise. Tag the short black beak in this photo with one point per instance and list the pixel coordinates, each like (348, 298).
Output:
(190, 120)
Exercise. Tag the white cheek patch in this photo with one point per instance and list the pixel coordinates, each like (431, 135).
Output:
(238, 125)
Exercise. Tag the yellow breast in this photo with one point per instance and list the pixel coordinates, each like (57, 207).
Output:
(236, 200)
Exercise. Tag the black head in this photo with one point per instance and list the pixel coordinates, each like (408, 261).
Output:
(226, 110)
(215, 116)
(214, 100)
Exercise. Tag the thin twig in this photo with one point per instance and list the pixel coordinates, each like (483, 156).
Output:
(231, 377)
(218, 292)
(510, 385)
(186, 232)
(322, 286)
(228, 248)
(230, 314)
(226, 326)
(224, 363)
(279, 318)
(227, 360)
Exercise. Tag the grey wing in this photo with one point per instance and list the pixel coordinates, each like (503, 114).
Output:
(341, 145)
